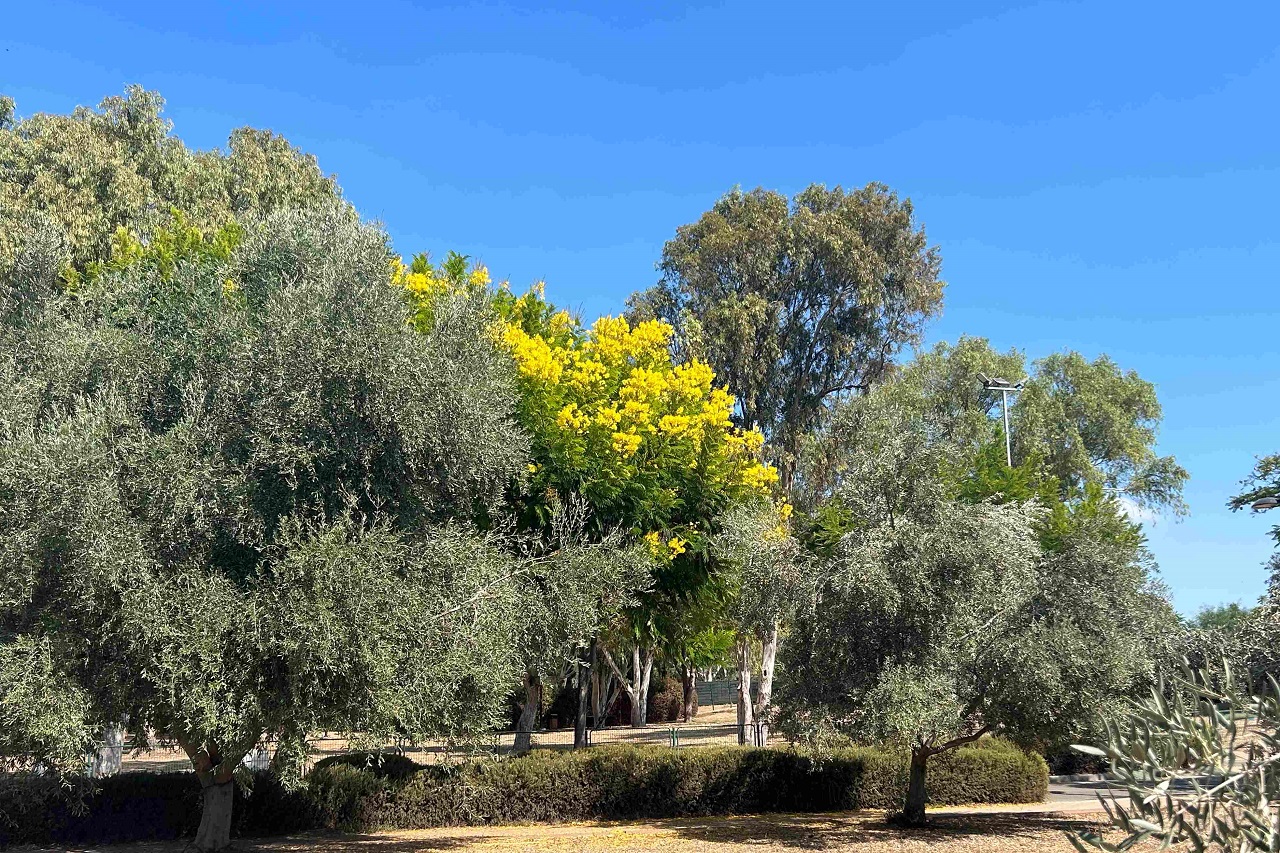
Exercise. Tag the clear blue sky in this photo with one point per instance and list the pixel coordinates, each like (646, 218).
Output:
(1100, 176)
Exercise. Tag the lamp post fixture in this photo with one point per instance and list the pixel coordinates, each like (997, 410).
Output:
(1264, 504)
(1005, 387)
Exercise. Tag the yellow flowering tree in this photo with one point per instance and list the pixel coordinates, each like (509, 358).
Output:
(648, 444)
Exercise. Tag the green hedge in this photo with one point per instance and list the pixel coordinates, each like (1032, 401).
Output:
(621, 782)
(139, 806)
(359, 793)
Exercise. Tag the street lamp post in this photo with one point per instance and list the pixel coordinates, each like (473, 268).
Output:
(1005, 387)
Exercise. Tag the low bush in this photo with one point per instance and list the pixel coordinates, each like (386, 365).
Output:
(363, 791)
(622, 782)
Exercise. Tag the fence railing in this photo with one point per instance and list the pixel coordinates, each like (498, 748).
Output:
(109, 758)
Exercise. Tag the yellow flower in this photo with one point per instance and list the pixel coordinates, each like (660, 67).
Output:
(677, 546)
(626, 443)
(572, 419)
(674, 424)
(608, 417)
(229, 287)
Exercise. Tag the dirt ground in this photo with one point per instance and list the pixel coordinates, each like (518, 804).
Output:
(864, 833)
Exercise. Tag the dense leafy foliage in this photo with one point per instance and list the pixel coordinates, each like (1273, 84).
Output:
(797, 302)
(94, 172)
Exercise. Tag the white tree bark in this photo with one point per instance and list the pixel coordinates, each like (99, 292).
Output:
(769, 641)
(636, 683)
(743, 649)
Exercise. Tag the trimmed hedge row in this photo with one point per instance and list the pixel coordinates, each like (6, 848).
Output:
(357, 793)
(627, 782)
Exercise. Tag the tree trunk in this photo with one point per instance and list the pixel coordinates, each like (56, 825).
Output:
(764, 693)
(601, 687)
(215, 819)
(744, 687)
(913, 810)
(580, 724)
(110, 755)
(689, 686)
(528, 713)
(637, 685)
(647, 671)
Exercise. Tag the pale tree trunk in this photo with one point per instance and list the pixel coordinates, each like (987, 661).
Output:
(580, 724)
(110, 755)
(744, 687)
(689, 687)
(637, 686)
(764, 693)
(217, 782)
(528, 712)
(913, 809)
(600, 685)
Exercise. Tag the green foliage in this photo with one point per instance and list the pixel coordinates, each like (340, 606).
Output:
(956, 601)
(797, 302)
(1262, 482)
(1198, 765)
(228, 514)
(1077, 425)
(627, 782)
(138, 806)
(95, 172)
(1228, 618)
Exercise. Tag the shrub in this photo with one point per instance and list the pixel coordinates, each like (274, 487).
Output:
(623, 781)
(666, 703)
(365, 791)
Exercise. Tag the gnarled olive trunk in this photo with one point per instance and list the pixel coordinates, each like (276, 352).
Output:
(528, 712)
(215, 772)
(215, 819)
(917, 798)
(743, 650)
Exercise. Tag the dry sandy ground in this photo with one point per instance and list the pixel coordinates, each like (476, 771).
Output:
(863, 833)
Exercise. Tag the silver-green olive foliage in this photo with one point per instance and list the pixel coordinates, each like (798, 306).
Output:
(233, 500)
(944, 616)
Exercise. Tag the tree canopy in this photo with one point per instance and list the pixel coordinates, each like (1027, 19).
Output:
(93, 172)
(794, 302)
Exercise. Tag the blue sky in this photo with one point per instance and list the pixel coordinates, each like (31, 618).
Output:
(1100, 176)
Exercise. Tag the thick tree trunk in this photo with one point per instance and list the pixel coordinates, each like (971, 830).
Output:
(689, 686)
(913, 809)
(764, 693)
(583, 683)
(744, 688)
(215, 820)
(110, 755)
(528, 713)
(600, 688)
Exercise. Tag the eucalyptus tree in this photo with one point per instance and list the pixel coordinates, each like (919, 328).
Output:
(796, 302)
(1081, 423)
(235, 502)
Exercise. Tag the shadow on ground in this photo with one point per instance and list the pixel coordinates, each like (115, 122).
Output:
(821, 832)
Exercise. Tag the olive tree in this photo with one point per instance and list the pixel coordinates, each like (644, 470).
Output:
(946, 616)
(235, 496)
(768, 578)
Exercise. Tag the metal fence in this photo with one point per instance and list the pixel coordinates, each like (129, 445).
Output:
(110, 758)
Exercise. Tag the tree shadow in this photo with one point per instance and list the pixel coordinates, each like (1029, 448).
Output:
(828, 831)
